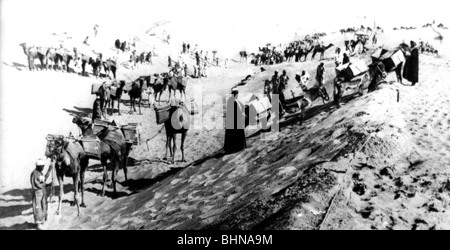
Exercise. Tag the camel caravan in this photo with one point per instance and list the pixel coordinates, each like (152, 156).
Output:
(107, 141)
(61, 53)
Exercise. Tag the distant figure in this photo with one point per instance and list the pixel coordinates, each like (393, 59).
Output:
(338, 57)
(188, 47)
(268, 89)
(39, 197)
(235, 125)
(226, 63)
(319, 74)
(95, 30)
(284, 79)
(185, 70)
(275, 82)
(96, 109)
(170, 62)
(86, 41)
(184, 48)
(197, 58)
(374, 39)
(411, 69)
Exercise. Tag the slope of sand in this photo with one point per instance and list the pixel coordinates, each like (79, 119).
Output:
(384, 162)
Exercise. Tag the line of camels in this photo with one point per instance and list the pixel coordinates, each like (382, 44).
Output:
(59, 60)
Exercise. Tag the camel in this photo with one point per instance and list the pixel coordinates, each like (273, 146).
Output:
(177, 83)
(105, 97)
(136, 94)
(65, 57)
(159, 86)
(310, 95)
(33, 53)
(320, 49)
(70, 160)
(178, 123)
(109, 65)
(243, 55)
(118, 97)
(95, 63)
(305, 52)
(53, 57)
(373, 78)
(113, 147)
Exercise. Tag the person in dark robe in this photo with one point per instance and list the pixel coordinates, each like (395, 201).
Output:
(39, 197)
(319, 74)
(170, 62)
(235, 125)
(96, 109)
(411, 69)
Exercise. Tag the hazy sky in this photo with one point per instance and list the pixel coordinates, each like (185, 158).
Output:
(211, 21)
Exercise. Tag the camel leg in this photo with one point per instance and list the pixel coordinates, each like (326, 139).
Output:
(76, 179)
(125, 160)
(61, 191)
(139, 103)
(105, 176)
(114, 174)
(118, 105)
(174, 138)
(168, 146)
(183, 138)
(84, 164)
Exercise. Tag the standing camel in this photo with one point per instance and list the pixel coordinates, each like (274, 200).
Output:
(159, 85)
(110, 65)
(177, 83)
(136, 94)
(105, 97)
(117, 96)
(243, 55)
(33, 53)
(113, 147)
(320, 49)
(178, 123)
(70, 160)
(305, 52)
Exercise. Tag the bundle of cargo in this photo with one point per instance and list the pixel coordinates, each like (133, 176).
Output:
(131, 132)
(91, 146)
(258, 111)
(349, 71)
(390, 59)
(95, 88)
(162, 113)
(100, 125)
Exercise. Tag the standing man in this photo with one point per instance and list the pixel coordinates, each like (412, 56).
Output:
(197, 58)
(235, 125)
(170, 62)
(185, 70)
(96, 109)
(39, 197)
(411, 69)
(319, 74)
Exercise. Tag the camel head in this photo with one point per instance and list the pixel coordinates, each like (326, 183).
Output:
(82, 122)
(54, 147)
